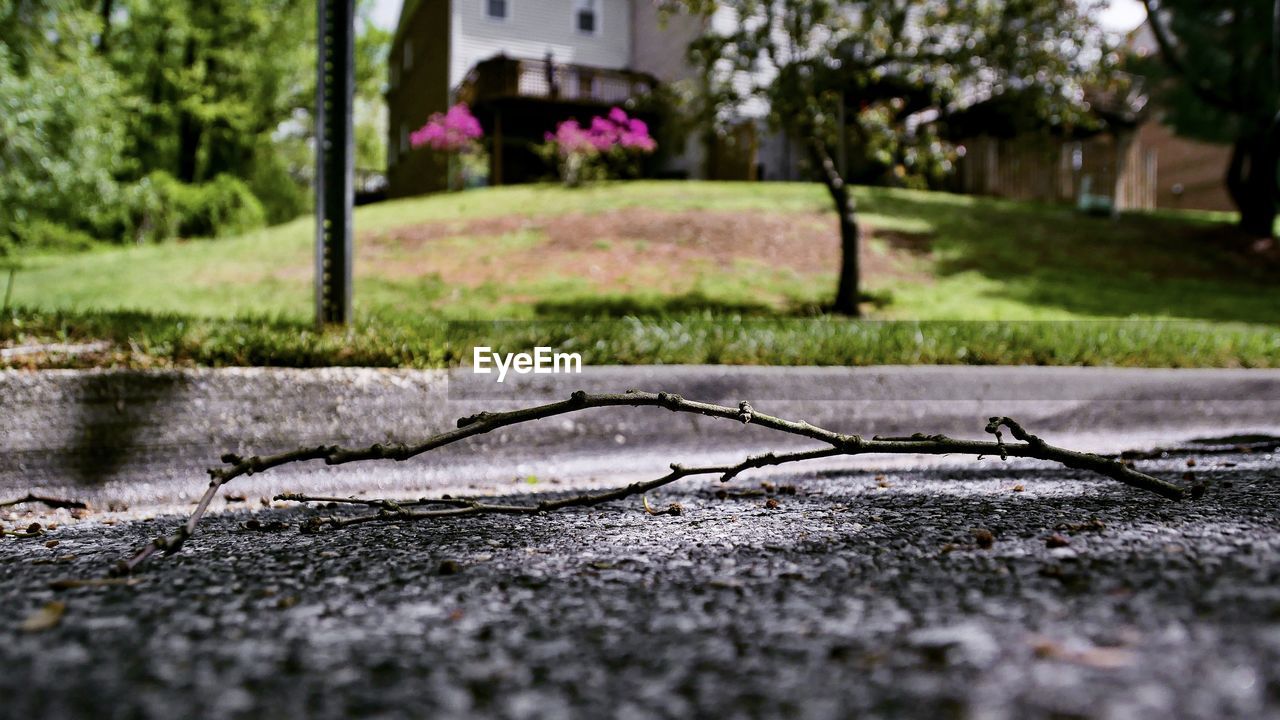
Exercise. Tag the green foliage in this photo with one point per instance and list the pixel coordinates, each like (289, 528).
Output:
(61, 139)
(159, 208)
(1001, 282)
(272, 181)
(194, 89)
(894, 66)
(1216, 74)
(212, 79)
(44, 235)
(1218, 78)
(222, 207)
(164, 340)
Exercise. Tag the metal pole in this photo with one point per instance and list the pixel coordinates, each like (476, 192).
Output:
(335, 151)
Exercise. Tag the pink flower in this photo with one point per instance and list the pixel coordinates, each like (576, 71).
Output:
(603, 136)
(570, 138)
(453, 131)
(636, 137)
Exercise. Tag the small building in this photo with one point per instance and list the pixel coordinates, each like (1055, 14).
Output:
(1130, 156)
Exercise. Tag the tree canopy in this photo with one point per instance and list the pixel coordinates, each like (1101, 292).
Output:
(105, 100)
(873, 74)
(1217, 76)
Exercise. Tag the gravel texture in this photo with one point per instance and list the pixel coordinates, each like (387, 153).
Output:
(860, 587)
(861, 594)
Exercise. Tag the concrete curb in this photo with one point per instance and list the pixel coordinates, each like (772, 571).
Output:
(111, 433)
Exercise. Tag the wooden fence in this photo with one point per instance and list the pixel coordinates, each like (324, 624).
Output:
(1054, 170)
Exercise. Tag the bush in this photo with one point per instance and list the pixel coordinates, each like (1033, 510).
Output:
(159, 208)
(153, 207)
(283, 198)
(223, 206)
(62, 137)
(46, 235)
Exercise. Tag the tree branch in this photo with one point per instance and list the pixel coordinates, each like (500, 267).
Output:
(838, 444)
(1203, 89)
(47, 501)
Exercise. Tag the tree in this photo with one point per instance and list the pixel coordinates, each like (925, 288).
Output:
(62, 134)
(98, 96)
(1219, 78)
(873, 61)
(212, 79)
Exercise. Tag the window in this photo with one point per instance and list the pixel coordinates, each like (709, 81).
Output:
(496, 9)
(585, 17)
(408, 54)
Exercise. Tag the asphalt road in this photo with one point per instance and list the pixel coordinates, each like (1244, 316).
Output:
(869, 590)
(144, 439)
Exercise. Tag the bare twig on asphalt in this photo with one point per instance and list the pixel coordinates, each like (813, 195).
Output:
(837, 444)
(48, 501)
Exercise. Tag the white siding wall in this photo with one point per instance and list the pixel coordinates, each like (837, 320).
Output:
(533, 27)
(660, 45)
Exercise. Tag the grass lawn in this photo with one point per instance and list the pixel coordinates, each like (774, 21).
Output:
(676, 272)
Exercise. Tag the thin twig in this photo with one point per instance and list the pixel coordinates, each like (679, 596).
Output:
(462, 507)
(840, 444)
(49, 501)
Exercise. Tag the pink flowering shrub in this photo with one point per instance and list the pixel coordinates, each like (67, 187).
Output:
(455, 131)
(609, 143)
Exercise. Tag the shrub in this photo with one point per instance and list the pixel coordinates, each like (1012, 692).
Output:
(456, 131)
(153, 208)
(62, 137)
(160, 208)
(456, 134)
(43, 234)
(223, 206)
(609, 147)
(282, 195)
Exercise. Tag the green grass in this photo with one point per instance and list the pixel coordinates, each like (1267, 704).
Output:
(973, 280)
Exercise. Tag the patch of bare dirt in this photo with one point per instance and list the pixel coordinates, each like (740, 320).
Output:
(634, 247)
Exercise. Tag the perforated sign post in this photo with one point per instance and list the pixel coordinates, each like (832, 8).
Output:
(335, 149)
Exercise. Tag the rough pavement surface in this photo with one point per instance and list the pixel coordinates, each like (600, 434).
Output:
(858, 595)
(131, 438)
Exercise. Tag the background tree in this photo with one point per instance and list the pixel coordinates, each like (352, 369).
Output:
(135, 119)
(885, 66)
(62, 132)
(213, 85)
(1218, 79)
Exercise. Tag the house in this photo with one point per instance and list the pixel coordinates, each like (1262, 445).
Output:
(1133, 159)
(525, 65)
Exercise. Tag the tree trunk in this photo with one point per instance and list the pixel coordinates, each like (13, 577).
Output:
(189, 129)
(1252, 183)
(847, 293)
(104, 41)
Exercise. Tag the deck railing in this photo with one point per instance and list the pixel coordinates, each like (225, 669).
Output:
(504, 77)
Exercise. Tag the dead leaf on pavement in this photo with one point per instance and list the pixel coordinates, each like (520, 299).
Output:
(46, 618)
